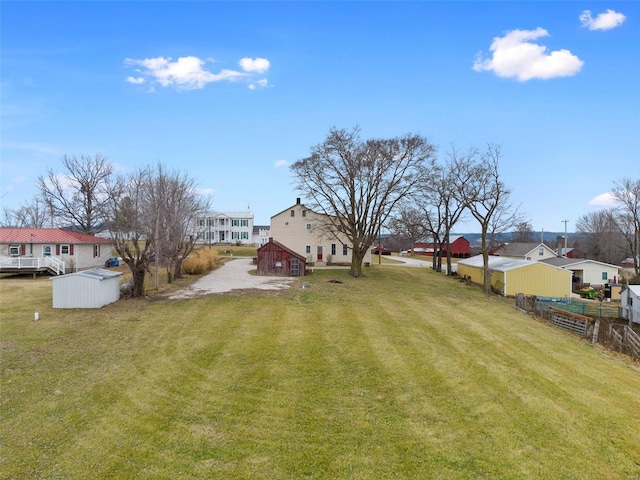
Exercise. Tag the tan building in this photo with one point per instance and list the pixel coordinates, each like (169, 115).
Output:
(313, 235)
(511, 276)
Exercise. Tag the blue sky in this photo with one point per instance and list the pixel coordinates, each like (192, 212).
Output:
(234, 92)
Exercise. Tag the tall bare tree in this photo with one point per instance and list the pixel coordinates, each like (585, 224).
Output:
(78, 195)
(359, 182)
(443, 207)
(131, 222)
(177, 206)
(152, 216)
(482, 190)
(626, 193)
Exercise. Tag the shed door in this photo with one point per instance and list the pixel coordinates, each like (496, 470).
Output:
(295, 267)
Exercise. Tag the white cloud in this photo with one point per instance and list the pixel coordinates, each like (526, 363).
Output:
(604, 200)
(135, 80)
(281, 163)
(186, 73)
(19, 179)
(206, 192)
(605, 21)
(191, 73)
(515, 55)
(262, 83)
(254, 65)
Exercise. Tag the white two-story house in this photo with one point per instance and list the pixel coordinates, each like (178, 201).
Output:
(225, 227)
(312, 235)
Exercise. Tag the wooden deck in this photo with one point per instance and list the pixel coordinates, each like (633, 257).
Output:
(31, 264)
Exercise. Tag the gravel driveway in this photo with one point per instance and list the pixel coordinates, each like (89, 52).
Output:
(233, 275)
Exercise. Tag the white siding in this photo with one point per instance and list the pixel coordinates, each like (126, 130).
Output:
(87, 289)
(630, 302)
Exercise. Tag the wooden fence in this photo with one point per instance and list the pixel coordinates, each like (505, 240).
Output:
(624, 340)
(573, 322)
(610, 332)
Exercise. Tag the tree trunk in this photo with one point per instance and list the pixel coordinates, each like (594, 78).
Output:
(139, 275)
(177, 271)
(357, 258)
(485, 262)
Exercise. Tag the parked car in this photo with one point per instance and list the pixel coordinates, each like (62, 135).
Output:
(380, 251)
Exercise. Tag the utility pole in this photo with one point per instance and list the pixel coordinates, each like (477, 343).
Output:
(565, 237)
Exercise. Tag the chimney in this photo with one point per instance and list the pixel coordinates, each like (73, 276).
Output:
(298, 201)
(270, 239)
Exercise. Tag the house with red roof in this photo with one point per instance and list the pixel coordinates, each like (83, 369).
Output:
(51, 249)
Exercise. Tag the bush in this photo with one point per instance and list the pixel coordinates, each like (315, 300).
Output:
(199, 262)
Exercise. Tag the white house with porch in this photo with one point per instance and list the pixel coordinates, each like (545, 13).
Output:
(225, 228)
(54, 250)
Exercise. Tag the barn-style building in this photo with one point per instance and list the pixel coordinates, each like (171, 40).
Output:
(274, 259)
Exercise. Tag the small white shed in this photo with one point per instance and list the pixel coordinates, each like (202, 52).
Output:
(86, 289)
(630, 302)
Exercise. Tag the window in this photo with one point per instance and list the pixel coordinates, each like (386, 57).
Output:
(244, 235)
(307, 249)
(235, 235)
(541, 251)
(244, 223)
(46, 250)
(64, 249)
(344, 249)
(14, 250)
(308, 226)
(235, 222)
(96, 250)
(286, 224)
(293, 213)
(604, 275)
(304, 213)
(333, 249)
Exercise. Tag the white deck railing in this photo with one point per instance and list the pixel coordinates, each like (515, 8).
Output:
(33, 263)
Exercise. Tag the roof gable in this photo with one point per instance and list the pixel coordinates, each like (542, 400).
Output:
(273, 243)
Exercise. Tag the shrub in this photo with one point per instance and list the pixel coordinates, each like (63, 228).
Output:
(199, 262)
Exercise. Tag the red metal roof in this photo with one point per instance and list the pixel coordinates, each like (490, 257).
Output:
(46, 235)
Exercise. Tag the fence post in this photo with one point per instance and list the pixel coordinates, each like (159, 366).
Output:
(596, 329)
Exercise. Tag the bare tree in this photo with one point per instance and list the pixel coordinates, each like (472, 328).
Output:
(131, 222)
(32, 214)
(486, 196)
(443, 207)
(78, 196)
(152, 215)
(409, 223)
(601, 237)
(523, 232)
(177, 205)
(627, 196)
(359, 183)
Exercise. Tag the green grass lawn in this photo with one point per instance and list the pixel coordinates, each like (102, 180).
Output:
(402, 374)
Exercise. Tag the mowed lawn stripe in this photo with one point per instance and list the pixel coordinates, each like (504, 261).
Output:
(403, 374)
